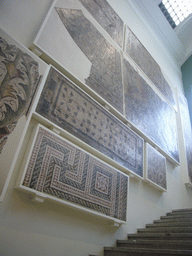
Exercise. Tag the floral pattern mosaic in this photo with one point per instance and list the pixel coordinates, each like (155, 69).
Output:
(60, 169)
(18, 80)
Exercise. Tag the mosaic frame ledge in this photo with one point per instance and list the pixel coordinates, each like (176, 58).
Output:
(56, 169)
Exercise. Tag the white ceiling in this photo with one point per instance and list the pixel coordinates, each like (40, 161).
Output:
(178, 41)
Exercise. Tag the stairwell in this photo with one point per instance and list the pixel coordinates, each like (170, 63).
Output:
(169, 236)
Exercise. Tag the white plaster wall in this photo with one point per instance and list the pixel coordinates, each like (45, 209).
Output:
(29, 228)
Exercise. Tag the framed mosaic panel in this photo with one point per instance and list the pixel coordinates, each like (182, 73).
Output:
(57, 169)
(20, 72)
(135, 49)
(70, 35)
(155, 168)
(66, 105)
(152, 115)
(187, 132)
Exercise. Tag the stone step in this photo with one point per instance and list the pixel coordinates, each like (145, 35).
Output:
(170, 224)
(176, 218)
(156, 244)
(161, 236)
(114, 251)
(183, 210)
(173, 220)
(181, 214)
(166, 230)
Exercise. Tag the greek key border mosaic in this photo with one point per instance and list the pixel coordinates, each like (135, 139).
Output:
(58, 168)
(63, 103)
(156, 167)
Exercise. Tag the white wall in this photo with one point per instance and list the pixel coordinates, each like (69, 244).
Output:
(29, 228)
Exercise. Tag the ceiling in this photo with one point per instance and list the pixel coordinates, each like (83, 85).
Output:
(178, 41)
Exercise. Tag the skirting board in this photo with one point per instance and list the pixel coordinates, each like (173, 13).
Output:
(56, 169)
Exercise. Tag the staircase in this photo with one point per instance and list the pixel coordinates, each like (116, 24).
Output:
(169, 236)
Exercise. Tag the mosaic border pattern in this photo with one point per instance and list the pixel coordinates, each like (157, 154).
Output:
(60, 169)
(64, 104)
(156, 167)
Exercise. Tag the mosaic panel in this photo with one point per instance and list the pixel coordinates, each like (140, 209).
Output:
(185, 118)
(147, 111)
(70, 108)
(106, 17)
(60, 169)
(145, 61)
(18, 80)
(156, 167)
(105, 73)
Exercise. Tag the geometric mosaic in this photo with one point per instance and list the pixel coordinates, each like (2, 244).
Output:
(106, 17)
(105, 76)
(156, 167)
(136, 50)
(66, 105)
(150, 113)
(58, 168)
(186, 124)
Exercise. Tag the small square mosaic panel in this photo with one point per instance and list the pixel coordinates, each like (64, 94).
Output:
(155, 167)
(58, 168)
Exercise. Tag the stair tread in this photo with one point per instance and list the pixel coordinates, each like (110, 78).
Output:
(170, 251)
(170, 224)
(166, 229)
(182, 210)
(155, 241)
(168, 236)
(156, 244)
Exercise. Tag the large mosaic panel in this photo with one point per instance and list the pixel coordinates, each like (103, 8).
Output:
(82, 49)
(63, 103)
(106, 17)
(155, 167)
(149, 113)
(135, 49)
(60, 169)
(185, 118)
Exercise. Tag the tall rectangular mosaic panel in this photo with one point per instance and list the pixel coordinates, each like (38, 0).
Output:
(155, 167)
(185, 118)
(58, 168)
(150, 113)
(67, 106)
(135, 49)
